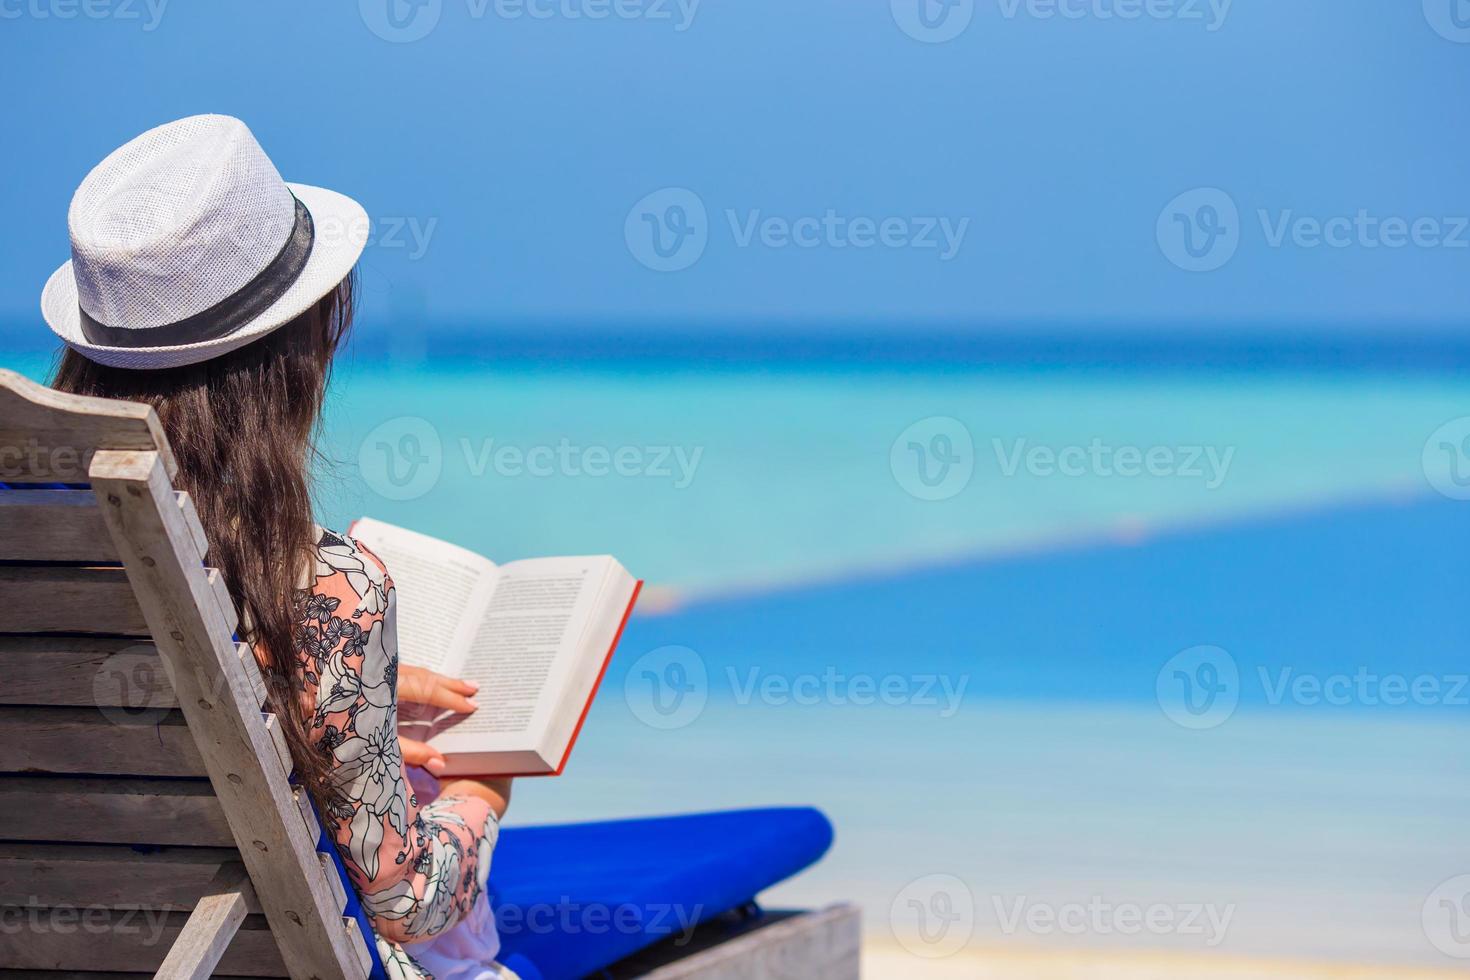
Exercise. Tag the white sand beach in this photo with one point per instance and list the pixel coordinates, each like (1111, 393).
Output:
(884, 960)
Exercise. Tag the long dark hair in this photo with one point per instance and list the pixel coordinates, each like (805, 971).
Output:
(243, 428)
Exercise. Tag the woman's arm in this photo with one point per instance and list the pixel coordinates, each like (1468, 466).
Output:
(419, 869)
(495, 792)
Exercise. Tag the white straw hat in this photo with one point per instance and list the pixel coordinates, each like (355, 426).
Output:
(186, 244)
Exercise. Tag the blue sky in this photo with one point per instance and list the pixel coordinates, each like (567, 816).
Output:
(849, 167)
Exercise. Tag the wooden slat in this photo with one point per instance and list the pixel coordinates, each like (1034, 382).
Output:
(100, 671)
(212, 925)
(77, 671)
(112, 811)
(50, 437)
(117, 741)
(111, 875)
(53, 525)
(87, 599)
(123, 940)
(194, 638)
(65, 525)
(68, 599)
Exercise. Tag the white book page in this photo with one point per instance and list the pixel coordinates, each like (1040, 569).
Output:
(526, 647)
(441, 591)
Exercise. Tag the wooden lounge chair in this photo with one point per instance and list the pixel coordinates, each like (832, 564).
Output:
(147, 821)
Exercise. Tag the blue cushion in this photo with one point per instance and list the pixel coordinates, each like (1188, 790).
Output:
(571, 899)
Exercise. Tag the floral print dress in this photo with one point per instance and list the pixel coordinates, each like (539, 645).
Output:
(419, 869)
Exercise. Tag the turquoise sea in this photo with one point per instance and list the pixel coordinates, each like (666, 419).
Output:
(811, 535)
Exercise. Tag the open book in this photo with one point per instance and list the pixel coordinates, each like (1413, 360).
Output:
(536, 635)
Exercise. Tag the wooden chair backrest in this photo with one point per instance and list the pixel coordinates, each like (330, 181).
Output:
(146, 819)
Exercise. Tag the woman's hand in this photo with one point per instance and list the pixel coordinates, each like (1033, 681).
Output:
(421, 754)
(419, 686)
(425, 687)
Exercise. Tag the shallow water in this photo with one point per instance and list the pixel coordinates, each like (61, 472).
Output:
(790, 475)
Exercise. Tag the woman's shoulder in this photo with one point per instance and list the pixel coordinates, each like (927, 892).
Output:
(336, 549)
(344, 563)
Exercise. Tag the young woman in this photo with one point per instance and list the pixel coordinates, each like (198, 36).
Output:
(207, 287)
